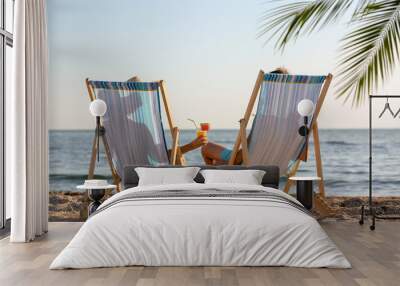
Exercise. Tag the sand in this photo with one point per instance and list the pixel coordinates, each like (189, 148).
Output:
(348, 208)
(68, 206)
(72, 206)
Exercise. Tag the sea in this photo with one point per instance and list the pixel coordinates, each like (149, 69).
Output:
(345, 156)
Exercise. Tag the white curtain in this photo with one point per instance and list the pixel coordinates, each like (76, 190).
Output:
(27, 135)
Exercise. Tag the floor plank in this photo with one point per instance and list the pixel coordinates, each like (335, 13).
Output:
(375, 257)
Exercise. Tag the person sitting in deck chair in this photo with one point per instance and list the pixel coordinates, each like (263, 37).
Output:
(216, 154)
(135, 115)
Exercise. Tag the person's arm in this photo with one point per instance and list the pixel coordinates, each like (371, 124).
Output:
(196, 143)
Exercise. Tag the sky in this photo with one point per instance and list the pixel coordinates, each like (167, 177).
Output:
(207, 52)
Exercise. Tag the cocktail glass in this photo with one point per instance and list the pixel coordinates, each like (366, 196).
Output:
(201, 133)
(204, 128)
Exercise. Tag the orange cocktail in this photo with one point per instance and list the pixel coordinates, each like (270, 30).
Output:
(201, 133)
(204, 128)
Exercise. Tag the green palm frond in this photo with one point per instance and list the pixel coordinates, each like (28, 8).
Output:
(362, 6)
(370, 52)
(289, 20)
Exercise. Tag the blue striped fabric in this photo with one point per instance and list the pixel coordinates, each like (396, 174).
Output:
(288, 78)
(274, 138)
(126, 85)
(133, 123)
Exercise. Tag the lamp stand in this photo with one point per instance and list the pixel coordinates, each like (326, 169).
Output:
(303, 130)
(100, 134)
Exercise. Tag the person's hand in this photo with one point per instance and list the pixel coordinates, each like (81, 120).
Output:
(199, 141)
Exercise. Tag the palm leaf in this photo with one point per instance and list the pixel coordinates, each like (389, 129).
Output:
(371, 51)
(290, 20)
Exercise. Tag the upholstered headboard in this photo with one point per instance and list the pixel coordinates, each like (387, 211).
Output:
(270, 179)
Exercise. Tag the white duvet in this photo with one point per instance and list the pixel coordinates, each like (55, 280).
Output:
(200, 231)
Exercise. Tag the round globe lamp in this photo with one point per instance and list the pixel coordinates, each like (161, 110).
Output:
(98, 108)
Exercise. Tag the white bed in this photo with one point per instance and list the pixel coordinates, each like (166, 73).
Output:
(185, 230)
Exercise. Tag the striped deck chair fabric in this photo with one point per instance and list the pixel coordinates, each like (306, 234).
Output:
(274, 138)
(133, 124)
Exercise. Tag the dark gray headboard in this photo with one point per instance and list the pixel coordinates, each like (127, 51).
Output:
(271, 177)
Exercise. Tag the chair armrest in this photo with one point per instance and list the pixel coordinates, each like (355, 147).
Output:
(175, 146)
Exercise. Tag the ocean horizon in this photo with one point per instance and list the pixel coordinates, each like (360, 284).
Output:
(344, 154)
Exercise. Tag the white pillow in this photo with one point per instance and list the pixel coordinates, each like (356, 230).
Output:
(166, 176)
(248, 177)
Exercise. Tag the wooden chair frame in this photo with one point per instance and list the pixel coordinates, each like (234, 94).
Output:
(241, 140)
(175, 156)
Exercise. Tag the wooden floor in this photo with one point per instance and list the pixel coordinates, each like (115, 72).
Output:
(375, 257)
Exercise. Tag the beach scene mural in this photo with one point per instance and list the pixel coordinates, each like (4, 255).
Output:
(209, 53)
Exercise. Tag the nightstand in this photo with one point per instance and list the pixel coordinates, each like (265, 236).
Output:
(304, 190)
(95, 194)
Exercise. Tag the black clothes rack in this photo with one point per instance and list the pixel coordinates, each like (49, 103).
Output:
(370, 209)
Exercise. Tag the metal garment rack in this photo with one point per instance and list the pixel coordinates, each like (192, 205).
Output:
(372, 209)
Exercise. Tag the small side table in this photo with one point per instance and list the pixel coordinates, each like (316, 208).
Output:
(95, 194)
(304, 190)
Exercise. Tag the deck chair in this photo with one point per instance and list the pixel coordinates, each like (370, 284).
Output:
(134, 132)
(273, 138)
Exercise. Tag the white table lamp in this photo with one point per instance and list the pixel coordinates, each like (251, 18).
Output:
(98, 108)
